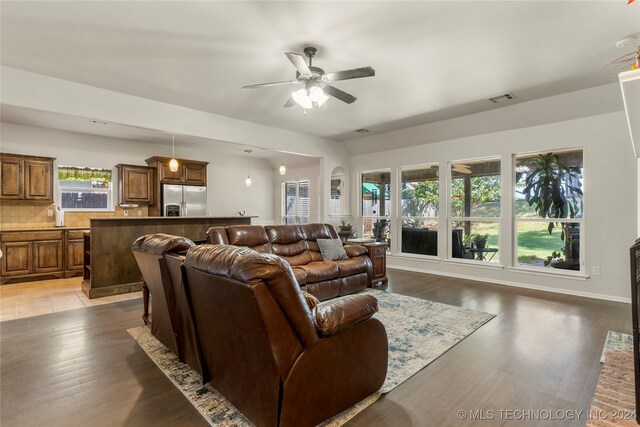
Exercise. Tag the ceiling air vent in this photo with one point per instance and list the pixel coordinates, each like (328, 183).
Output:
(362, 130)
(502, 98)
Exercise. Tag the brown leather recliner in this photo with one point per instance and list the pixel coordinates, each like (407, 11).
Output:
(159, 257)
(275, 359)
(297, 245)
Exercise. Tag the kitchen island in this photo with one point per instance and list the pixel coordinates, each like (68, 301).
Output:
(110, 267)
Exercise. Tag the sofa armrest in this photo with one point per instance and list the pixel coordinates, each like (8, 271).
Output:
(355, 250)
(336, 315)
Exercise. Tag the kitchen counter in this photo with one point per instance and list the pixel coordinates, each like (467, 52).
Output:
(113, 268)
(23, 229)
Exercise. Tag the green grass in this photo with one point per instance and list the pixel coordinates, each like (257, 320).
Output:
(534, 241)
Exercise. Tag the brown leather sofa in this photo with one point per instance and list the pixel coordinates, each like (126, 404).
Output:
(273, 357)
(297, 245)
(159, 257)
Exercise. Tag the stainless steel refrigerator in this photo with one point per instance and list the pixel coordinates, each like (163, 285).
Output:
(184, 200)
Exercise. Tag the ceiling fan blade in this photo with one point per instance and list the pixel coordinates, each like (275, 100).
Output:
(288, 82)
(290, 103)
(356, 73)
(298, 62)
(340, 94)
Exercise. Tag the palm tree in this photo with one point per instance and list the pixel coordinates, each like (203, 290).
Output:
(552, 188)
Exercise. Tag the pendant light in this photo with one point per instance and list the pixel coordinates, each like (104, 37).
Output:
(283, 169)
(247, 181)
(173, 163)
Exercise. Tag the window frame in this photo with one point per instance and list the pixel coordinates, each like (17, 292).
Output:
(110, 198)
(401, 217)
(450, 218)
(515, 219)
(360, 209)
(297, 217)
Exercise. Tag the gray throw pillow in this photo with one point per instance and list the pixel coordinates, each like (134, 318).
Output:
(331, 249)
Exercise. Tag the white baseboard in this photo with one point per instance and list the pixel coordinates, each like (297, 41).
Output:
(514, 284)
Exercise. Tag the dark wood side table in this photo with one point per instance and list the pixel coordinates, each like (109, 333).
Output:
(378, 255)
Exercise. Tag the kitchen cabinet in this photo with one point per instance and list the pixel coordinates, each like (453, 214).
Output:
(74, 252)
(190, 172)
(136, 184)
(35, 254)
(27, 178)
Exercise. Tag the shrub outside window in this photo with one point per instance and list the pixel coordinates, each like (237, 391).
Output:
(549, 210)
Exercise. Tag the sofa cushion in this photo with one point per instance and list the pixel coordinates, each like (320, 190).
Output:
(284, 234)
(253, 236)
(160, 244)
(300, 274)
(337, 315)
(355, 250)
(331, 249)
(217, 236)
(351, 284)
(318, 231)
(320, 271)
(325, 290)
(351, 266)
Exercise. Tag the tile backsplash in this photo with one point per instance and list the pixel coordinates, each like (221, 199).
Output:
(15, 215)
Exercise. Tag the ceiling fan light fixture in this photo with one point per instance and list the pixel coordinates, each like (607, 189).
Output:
(317, 96)
(302, 98)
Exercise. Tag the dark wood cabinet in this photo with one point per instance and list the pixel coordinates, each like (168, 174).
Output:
(38, 180)
(12, 183)
(378, 255)
(35, 254)
(190, 172)
(26, 178)
(136, 184)
(16, 259)
(74, 252)
(47, 256)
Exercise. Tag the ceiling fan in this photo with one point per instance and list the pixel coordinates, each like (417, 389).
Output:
(316, 82)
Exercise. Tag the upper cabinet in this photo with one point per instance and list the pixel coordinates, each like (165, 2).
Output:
(190, 172)
(26, 178)
(136, 184)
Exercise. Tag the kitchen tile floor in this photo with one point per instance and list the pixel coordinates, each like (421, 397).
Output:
(49, 296)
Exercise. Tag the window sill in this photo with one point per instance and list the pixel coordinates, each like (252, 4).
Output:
(417, 257)
(564, 274)
(478, 264)
(88, 210)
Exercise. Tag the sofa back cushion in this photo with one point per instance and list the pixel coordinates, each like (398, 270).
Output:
(313, 232)
(251, 236)
(288, 243)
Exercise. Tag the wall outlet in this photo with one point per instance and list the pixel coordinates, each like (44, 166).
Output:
(139, 212)
(126, 212)
(50, 212)
(596, 270)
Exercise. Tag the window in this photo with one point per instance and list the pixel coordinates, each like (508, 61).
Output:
(420, 206)
(84, 189)
(376, 204)
(295, 202)
(549, 209)
(475, 210)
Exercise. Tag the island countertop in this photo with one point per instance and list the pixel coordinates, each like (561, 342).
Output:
(113, 268)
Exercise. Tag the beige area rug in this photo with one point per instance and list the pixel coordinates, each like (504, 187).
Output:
(419, 331)
(614, 400)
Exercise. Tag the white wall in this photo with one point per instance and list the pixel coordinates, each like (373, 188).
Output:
(43, 93)
(610, 197)
(226, 174)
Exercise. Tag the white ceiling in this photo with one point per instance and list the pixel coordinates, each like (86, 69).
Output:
(433, 60)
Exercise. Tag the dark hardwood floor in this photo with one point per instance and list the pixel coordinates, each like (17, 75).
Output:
(541, 352)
